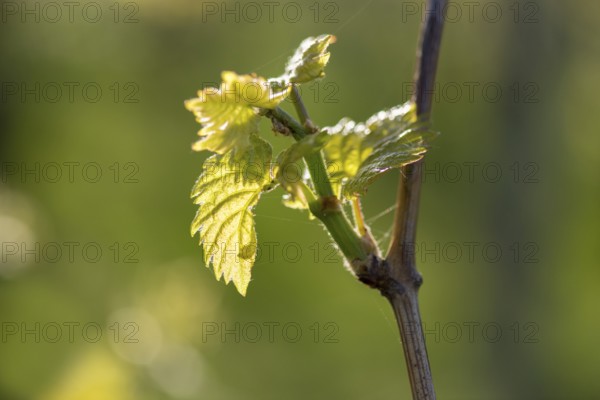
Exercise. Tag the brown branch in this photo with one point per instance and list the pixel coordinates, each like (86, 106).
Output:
(401, 266)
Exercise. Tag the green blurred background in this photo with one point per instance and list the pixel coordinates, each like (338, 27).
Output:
(510, 261)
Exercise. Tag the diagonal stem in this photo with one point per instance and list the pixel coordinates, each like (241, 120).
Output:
(302, 111)
(327, 207)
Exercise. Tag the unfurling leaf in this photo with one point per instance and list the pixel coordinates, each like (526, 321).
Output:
(357, 153)
(309, 61)
(289, 172)
(226, 191)
(228, 115)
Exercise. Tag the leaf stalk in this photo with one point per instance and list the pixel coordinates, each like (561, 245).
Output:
(326, 207)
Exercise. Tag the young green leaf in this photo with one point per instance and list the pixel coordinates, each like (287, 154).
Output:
(228, 115)
(359, 152)
(392, 151)
(393, 121)
(226, 191)
(346, 150)
(309, 60)
(352, 142)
